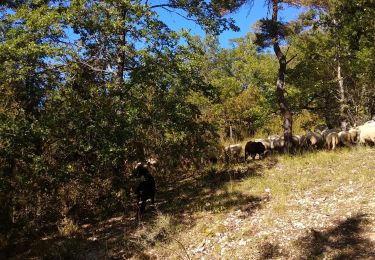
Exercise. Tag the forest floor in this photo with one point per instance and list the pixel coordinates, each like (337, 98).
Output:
(318, 205)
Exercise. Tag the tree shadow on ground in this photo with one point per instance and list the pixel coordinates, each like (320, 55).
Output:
(91, 241)
(182, 195)
(212, 189)
(269, 251)
(343, 241)
(179, 196)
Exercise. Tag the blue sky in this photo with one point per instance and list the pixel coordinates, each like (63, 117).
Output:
(245, 18)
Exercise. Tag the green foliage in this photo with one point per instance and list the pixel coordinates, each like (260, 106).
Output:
(88, 88)
(242, 79)
(266, 30)
(331, 34)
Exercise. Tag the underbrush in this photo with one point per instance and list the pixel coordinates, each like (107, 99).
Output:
(247, 210)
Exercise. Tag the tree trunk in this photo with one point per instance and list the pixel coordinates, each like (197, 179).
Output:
(7, 208)
(372, 108)
(343, 105)
(120, 54)
(280, 83)
(340, 80)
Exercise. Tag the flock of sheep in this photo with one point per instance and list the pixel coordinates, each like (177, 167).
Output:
(328, 138)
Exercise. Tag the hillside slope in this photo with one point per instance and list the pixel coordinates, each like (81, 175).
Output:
(316, 205)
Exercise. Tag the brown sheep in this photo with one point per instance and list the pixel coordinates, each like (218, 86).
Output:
(331, 139)
(344, 138)
(313, 140)
(298, 143)
(353, 135)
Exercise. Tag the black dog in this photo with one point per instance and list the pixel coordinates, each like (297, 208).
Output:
(146, 189)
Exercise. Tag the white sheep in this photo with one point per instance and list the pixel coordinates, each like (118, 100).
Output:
(233, 150)
(370, 123)
(366, 134)
(276, 143)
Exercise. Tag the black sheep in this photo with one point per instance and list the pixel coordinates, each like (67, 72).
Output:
(254, 148)
(146, 189)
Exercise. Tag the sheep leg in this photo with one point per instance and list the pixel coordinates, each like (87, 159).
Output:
(143, 206)
(138, 215)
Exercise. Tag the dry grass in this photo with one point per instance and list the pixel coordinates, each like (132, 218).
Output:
(315, 206)
(305, 206)
(67, 227)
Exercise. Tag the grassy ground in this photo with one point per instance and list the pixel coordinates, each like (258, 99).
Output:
(318, 205)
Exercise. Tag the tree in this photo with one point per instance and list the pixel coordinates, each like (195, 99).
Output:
(271, 32)
(322, 56)
(274, 33)
(115, 45)
(88, 88)
(29, 46)
(351, 23)
(242, 79)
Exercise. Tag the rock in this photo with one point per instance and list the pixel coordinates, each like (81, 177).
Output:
(242, 242)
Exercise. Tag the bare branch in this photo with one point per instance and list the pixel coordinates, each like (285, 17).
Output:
(291, 59)
(286, 53)
(91, 67)
(164, 6)
(183, 16)
(108, 70)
